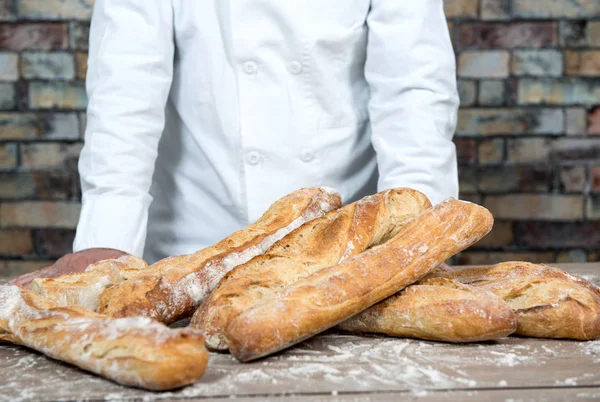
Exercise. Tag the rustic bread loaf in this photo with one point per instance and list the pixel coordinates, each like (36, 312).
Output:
(438, 309)
(84, 289)
(131, 351)
(315, 245)
(173, 288)
(549, 302)
(334, 294)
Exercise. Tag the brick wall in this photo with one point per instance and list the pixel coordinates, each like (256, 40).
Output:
(528, 135)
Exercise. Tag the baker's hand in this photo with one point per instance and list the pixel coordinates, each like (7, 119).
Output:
(70, 263)
(445, 267)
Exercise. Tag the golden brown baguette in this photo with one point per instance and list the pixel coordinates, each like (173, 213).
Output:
(438, 309)
(84, 289)
(336, 293)
(321, 243)
(549, 302)
(172, 289)
(136, 351)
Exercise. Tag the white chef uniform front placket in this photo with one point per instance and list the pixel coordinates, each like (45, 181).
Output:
(273, 149)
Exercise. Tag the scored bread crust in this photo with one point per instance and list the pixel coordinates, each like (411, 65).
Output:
(84, 288)
(318, 244)
(438, 309)
(173, 288)
(549, 302)
(136, 351)
(334, 294)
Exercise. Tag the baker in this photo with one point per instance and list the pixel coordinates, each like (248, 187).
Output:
(202, 113)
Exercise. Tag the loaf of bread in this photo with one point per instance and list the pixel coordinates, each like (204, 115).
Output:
(438, 309)
(172, 289)
(318, 244)
(549, 302)
(334, 294)
(136, 351)
(84, 289)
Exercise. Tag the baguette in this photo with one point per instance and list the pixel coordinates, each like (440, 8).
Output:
(334, 294)
(136, 352)
(438, 309)
(318, 244)
(549, 302)
(84, 289)
(172, 289)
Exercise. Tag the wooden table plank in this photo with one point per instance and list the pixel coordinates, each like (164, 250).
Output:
(347, 365)
(579, 394)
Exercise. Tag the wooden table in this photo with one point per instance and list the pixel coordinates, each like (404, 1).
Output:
(335, 366)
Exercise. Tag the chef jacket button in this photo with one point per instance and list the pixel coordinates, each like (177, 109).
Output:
(295, 67)
(253, 158)
(250, 67)
(307, 155)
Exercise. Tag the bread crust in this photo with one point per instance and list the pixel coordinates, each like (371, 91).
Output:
(173, 288)
(136, 352)
(320, 243)
(84, 288)
(549, 302)
(334, 294)
(438, 309)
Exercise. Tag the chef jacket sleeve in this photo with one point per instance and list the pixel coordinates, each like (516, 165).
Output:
(128, 81)
(411, 71)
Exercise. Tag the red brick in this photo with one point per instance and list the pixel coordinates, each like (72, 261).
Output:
(595, 179)
(491, 151)
(575, 120)
(500, 236)
(483, 64)
(593, 207)
(487, 258)
(54, 243)
(13, 268)
(558, 91)
(507, 36)
(31, 126)
(556, 8)
(576, 255)
(497, 121)
(56, 9)
(529, 150)
(36, 214)
(572, 178)
(33, 36)
(576, 149)
(501, 179)
(57, 95)
(7, 12)
(8, 156)
(50, 156)
(79, 33)
(466, 150)
(552, 207)
(593, 121)
(37, 185)
(593, 33)
(474, 198)
(81, 65)
(461, 8)
(16, 242)
(467, 179)
(582, 63)
(494, 9)
(572, 33)
(557, 234)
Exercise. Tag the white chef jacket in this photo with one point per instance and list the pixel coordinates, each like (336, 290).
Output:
(203, 112)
